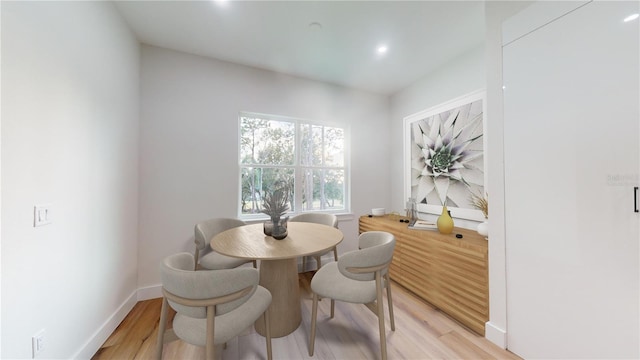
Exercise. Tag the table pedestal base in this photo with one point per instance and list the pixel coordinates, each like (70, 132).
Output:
(280, 277)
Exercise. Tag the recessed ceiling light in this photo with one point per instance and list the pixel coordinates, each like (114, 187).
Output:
(382, 49)
(631, 17)
(315, 26)
(221, 3)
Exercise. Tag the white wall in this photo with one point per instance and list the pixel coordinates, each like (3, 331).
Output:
(575, 278)
(495, 13)
(460, 76)
(70, 81)
(0, 181)
(189, 144)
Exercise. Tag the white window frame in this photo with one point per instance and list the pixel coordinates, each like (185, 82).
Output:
(297, 166)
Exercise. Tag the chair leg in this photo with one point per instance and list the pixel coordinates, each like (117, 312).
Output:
(383, 339)
(210, 348)
(161, 328)
(195, 257)
(267, 326)
(333, 307)
(314, 314)
(390, 302)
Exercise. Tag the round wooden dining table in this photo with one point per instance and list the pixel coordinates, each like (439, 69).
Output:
(278, 264)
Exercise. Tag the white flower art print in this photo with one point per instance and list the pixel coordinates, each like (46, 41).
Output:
(444, 156)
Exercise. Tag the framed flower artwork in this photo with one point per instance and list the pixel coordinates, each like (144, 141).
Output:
(444, 154)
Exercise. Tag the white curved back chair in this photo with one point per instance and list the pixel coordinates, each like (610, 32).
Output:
(210, 259)
(318, 218)
(212, 306)
(358, 277)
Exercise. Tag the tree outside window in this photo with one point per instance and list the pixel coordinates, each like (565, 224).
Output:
(308, 158)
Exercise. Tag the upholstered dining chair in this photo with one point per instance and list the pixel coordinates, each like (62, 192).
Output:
(318, 218)
(212, 306)
(358, 277)
(205, 257)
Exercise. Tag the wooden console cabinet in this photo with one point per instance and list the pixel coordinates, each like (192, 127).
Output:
(450, 273)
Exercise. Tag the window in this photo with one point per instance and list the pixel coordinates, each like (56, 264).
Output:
(306, 157)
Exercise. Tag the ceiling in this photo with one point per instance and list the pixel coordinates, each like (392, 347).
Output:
(330, 41)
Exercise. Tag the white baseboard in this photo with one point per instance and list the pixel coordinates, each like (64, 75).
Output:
(495, 334)
(98, 338)
(150, 292)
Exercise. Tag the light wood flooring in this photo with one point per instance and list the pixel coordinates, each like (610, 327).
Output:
(422, 332)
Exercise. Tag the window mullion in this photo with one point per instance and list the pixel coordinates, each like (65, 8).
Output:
(298, 173)
(323, 162)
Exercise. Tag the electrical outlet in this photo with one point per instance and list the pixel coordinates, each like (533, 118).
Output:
(41, 215)
(37, 343)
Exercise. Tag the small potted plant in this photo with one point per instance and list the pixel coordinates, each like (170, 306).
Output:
(482, 203)
(275, 204)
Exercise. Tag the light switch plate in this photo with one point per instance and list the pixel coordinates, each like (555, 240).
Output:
(41, 215)
(37, 343)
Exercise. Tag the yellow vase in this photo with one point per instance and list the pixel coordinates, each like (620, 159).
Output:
(445, 222)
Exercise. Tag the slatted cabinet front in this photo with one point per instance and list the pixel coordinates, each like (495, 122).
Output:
(448, 272)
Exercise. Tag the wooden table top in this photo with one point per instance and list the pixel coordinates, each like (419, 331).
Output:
(250, 242)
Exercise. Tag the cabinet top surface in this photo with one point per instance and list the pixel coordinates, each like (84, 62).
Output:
(469, 237)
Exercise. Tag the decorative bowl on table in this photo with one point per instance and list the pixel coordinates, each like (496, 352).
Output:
(377, 211)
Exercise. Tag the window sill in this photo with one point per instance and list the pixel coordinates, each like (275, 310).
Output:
(342, 217)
